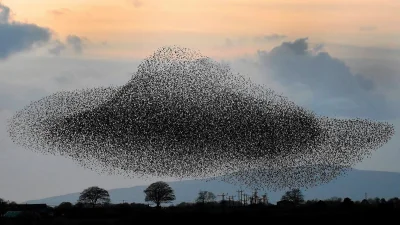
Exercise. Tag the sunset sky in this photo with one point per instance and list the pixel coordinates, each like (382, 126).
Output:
(135, 27)
(52, 45)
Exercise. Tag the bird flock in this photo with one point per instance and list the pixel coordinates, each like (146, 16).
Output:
(184, 115)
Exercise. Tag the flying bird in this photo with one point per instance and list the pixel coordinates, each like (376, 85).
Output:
(184, 115)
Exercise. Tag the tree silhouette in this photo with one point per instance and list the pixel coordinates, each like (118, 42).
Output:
(295, 196)
(205, 196)
(159, 192)
(65, 205)
(3, 204)
(393, 200)
(347, 202)
(335, 199)
(94, 195)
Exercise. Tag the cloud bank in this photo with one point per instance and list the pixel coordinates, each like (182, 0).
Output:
(17, 37)
(72, 41)
(76, 43)
(58, 48)
(336, 91)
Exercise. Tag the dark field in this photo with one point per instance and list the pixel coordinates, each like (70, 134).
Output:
(309, 213)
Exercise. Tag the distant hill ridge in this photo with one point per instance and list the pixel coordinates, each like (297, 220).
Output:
(353, 185)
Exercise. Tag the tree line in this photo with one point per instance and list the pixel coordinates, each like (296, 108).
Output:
(160, 192)
(94, 207)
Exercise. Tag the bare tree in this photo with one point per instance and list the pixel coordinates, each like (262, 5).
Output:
(93, 196)
(159, 192)
(295, 196)
(205, 196)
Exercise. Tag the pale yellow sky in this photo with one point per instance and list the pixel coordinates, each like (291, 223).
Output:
(205, 24)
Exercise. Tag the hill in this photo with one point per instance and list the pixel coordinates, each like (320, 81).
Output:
(353, 185)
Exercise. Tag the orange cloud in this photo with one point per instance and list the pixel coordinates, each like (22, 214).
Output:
(59, 12)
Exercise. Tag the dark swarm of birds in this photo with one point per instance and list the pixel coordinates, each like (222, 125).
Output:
(183, 115)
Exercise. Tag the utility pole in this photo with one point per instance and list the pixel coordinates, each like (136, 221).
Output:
(231, 198)
(223, 196)
(240, 196)
(255, 197)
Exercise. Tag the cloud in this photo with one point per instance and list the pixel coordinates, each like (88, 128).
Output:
(318, 48)
(368, 28)
(271, 37)
(58, 48)
(4, 13)
(16, 37)
(384, 73)
(137, 3)
(72, 41)
(42, 76)
(59, 12)
(234, 42)
(76, 42)
(336, 91)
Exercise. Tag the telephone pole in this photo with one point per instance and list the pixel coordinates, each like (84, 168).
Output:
(240, 196)
(255, 197)
(231, 198)
(265, 199)
(245, 199)
(223, 196)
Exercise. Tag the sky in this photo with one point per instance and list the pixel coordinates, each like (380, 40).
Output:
(339, 58)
